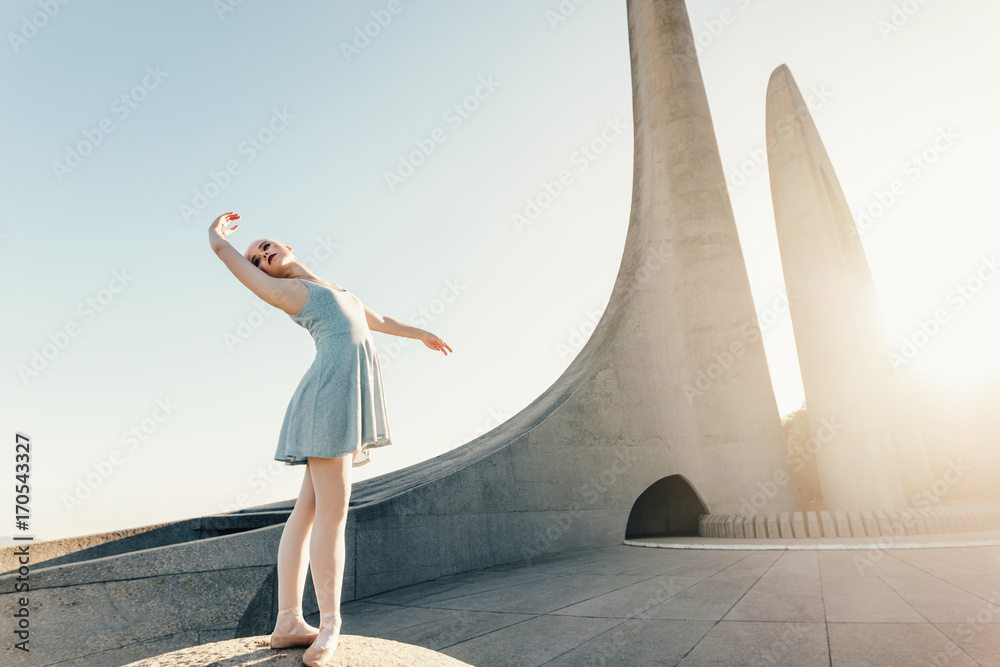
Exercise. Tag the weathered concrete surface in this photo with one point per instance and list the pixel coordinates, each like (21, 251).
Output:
(872, 455)
(112, 610)
(353, 651)
(99, 545)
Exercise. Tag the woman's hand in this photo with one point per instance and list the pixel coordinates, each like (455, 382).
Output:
(218, 231)
(435, 343)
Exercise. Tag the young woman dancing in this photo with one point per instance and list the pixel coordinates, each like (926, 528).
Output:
(335, 415)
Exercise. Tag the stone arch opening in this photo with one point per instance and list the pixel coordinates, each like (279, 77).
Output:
(670, 506)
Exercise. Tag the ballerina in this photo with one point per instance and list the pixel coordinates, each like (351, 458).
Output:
(337, 413)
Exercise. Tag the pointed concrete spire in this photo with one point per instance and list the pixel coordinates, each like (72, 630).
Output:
(871, 455)
(673, 381)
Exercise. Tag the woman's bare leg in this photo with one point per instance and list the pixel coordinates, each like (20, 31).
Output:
(293, 560)
(327, 549)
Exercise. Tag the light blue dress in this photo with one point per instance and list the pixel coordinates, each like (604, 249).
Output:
(339, 405)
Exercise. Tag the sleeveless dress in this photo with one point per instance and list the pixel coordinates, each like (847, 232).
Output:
(339, 405)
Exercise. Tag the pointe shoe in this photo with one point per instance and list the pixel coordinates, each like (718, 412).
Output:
(323, 657)
(287, 641)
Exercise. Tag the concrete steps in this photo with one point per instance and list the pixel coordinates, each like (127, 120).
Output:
(852, 523)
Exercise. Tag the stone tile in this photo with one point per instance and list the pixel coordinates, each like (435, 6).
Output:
(980, 640)
(892, 645)
(848, 563)
(631, 600)
(453, 627)
(861, 600)
(455, 585)
(789, 599)
(795, 564)
(531, 642)
(540, 597)
(937, 600)
(667, 560)
(985, 586)
(754, 565)
(881, 563)
(756, 643)
(377, 620)
(637, 642)
(708, 600)
(710, 563)
(942, 562)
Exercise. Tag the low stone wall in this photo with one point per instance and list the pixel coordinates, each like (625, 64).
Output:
(116, 609)
(852, 523)
(50, 553)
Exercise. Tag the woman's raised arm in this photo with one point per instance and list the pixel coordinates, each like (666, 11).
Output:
(278, 292)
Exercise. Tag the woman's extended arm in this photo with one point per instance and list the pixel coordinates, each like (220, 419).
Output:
(394, 327)
(275, 291)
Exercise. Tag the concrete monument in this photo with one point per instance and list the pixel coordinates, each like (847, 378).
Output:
(874, 458)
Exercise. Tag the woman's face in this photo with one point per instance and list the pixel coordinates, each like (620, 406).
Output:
(269, 256)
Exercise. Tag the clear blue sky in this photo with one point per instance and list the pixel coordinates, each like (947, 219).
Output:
(116, 115)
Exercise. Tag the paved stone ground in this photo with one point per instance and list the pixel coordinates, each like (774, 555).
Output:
(631, 605)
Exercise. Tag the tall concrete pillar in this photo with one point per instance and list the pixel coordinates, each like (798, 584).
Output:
(871, 454)
(692, 335)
